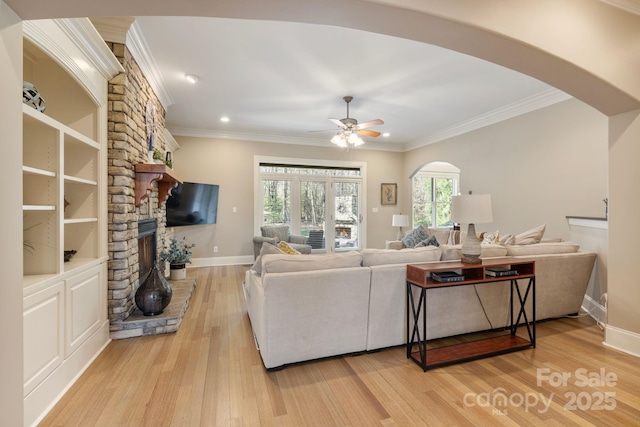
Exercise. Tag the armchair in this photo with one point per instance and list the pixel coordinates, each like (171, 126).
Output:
(276, 233)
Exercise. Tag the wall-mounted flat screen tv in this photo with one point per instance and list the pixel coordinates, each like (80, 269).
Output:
(191, 203)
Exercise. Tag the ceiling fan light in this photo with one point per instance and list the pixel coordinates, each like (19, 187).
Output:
(358, 142)
(353, 139)
(338, 139)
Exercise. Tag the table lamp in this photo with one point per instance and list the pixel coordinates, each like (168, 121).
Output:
(471, 209)
(400, 221)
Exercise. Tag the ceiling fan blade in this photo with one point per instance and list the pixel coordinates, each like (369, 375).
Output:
(368, 132)
(339, 123)
(370, 123)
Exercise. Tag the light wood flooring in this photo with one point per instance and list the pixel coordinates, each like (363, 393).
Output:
(209, 373)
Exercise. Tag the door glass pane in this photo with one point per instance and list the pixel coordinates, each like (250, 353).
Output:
(277, 201)
(313, 212)
(347, 222)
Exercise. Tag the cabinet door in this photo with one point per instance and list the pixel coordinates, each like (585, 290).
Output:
(86, 304)
(43, 318)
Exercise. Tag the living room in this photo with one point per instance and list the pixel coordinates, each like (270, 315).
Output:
(520, 162)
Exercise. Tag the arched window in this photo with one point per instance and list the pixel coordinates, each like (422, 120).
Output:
(432, 188)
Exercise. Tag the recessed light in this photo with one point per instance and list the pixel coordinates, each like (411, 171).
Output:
(224, 119)
(191, 78)
(386, 134)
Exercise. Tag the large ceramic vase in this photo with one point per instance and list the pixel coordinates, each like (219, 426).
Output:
(154, 294)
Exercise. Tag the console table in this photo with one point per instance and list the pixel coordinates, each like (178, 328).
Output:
(419, 276)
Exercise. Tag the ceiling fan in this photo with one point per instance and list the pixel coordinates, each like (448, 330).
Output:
(350, 129)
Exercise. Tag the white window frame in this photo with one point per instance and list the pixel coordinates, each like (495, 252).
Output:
(433, 174)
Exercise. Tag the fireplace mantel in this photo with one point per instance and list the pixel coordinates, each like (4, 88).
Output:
(147, 174)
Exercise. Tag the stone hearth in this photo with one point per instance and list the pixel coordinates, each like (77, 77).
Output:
(169, 320)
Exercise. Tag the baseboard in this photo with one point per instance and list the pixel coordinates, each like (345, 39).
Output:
(215, 261)
(595, 309)
(622, 340)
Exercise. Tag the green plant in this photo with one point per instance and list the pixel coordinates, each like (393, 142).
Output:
(27, 244)
(176, 252)
(157, 154)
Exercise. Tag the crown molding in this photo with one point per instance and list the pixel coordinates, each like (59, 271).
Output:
(139, 49)
(90, 42)
(532, 103)
(113, 28)
(631, 6)
(275, 138)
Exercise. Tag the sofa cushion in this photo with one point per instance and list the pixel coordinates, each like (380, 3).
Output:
(454, 252)
(508, 239)
(442, 234)
(267, 248)
(491, 238)
(391, 256)
(532, 236)
(279, 232)
(286, 263)
(414, 237)
(543, 248)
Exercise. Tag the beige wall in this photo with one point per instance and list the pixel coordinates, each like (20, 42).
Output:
(11, 355)
(538, 167)
(230, 164)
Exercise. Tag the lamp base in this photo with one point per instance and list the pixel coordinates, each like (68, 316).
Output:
(471, 248)
(400, 234)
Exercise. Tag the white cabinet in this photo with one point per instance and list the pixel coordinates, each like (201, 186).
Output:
(64, 192)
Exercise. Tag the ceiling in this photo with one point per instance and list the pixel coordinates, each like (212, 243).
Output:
(279, 81)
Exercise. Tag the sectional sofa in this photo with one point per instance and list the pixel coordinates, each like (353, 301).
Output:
(304, 307)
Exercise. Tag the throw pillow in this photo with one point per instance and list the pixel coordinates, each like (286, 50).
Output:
(267, 248)
(508, 239)
(429, 241)
(414, 237)
(491, 238)
(532, 236)
(287, 249)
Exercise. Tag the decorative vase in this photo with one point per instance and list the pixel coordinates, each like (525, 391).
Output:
(177, 271)
(154, 294)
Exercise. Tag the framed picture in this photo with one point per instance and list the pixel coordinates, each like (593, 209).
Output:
(389, 194)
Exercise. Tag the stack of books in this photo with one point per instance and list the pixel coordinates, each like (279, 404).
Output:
(500, 271)
(447, 276)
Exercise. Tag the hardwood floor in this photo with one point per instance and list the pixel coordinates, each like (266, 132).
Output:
(209, 373)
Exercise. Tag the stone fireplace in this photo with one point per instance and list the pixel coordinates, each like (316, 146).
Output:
(135, 233)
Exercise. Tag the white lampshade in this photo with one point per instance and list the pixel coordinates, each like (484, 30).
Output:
(471, 209)
(400, 220)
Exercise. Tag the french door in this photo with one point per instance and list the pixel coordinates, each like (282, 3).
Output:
(326, 209)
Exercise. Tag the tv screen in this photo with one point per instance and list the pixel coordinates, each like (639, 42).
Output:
(192, 203)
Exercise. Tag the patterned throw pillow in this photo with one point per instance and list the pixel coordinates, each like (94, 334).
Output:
(414, 237)
(287, 249)
(429, 241)
(491, 238)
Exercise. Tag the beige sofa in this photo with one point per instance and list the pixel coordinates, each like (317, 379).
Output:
(304, 307)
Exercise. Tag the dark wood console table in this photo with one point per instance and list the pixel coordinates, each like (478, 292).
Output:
(420, 276)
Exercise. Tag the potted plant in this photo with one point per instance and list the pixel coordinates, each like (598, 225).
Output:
(177, 254)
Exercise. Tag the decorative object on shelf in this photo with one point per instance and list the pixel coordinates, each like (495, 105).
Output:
(388, 194)
(158, 157)
(169, 160)
(606, 207)
(31, 96)
(151, 124)
(471, 209)
(177, 254)
(27, 245)
(66, 203)
(400, 221)
(154, 294)
(69, 254)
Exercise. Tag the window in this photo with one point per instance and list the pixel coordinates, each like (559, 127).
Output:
(318, 201)
(432, 189)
